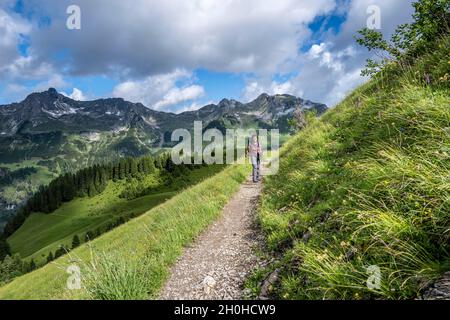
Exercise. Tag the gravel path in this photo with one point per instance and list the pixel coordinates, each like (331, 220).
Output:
(440, 290)
(219, 261)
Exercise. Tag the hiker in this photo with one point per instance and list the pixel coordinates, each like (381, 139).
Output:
(254, 151)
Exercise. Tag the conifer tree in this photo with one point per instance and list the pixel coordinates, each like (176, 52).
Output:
(32, 266)
(50, 257)
(133, 168)
(91, 190)
(4, 248)
(89, 236)
(75, 241)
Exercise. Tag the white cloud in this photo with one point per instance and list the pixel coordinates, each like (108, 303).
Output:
(330, 69)
(320, 54)
(28, 68)
(76, 94)
(327, 75)
(11, 28)
(160, 91)
(252, 90)
(282, 88)
(15, 92)
(346, 83)
(155, 37)
(255, 88)
(316, 50)
(393, 13)
(14, 65)
(178, 95)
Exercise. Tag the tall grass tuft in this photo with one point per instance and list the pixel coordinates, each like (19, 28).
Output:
(111, 277)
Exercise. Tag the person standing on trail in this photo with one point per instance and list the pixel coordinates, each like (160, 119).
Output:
(254, 151)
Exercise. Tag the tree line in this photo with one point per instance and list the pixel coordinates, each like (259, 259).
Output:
(85, 182)
(4, 248)
(89, 182)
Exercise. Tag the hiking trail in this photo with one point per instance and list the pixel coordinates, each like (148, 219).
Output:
(216, 265)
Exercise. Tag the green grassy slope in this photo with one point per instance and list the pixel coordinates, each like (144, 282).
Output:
(133, 260)
(367, 184)
(42, 233)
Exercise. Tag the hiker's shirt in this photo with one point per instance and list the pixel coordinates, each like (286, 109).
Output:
(254, 149)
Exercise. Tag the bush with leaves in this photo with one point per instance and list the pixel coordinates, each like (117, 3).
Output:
(431, 22)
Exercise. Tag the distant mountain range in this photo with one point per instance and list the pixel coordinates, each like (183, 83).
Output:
(49, 124)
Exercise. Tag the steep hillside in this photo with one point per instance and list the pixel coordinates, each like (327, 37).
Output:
(366, 188)
(139, 253)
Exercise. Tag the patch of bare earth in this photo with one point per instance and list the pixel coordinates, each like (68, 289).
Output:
(223, 256)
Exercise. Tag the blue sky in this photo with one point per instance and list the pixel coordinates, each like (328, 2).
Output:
(180, 55)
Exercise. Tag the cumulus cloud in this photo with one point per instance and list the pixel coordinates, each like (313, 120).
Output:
(11, 29)
(15, 92)
(393, 13)
(161, 91)
(154, 37)
(14, 65)
(325, 58)
(178, 95)
(331, 68)
(327, 75)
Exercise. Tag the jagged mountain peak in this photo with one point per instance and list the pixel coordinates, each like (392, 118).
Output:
(50, 112)
(263, 96)
(50, 94)
(52, 91)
